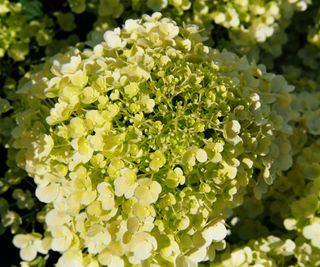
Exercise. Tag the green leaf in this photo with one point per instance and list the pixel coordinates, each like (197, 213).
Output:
(32, 8)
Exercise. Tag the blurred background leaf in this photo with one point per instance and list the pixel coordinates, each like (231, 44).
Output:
(32, 8)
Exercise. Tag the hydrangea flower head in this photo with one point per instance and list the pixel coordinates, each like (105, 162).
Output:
(142, 145)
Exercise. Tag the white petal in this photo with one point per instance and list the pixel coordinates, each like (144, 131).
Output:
(201, 155)
(21, 241)
(216, 232)
(28, 253)
(48, 193)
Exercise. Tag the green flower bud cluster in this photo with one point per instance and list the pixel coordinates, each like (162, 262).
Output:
(17, 31)
(141, 146)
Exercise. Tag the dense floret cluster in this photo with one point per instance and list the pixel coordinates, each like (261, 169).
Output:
(138, 164)
(254, 28)
(160, 133)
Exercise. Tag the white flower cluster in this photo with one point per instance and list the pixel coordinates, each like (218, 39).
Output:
(142, 145)
(252, 27)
